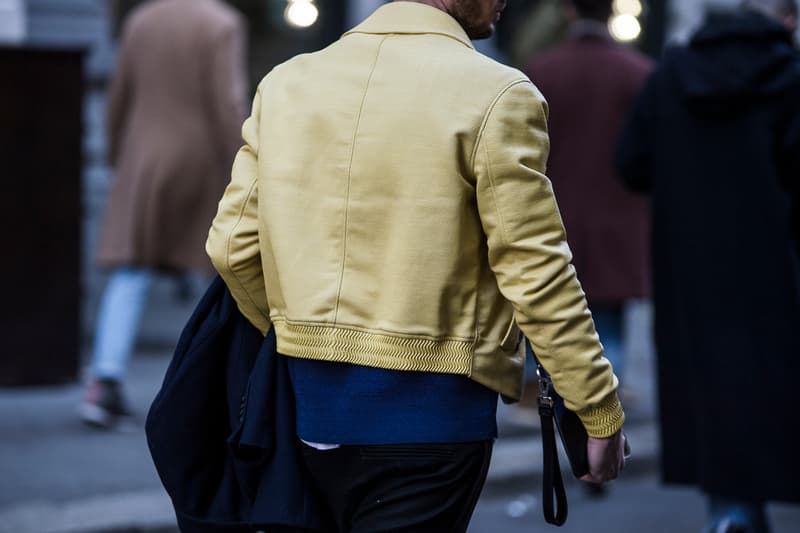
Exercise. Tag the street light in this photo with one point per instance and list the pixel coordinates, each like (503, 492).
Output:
(624, 24)
(301, 13)
(628, 7)
(625, 27)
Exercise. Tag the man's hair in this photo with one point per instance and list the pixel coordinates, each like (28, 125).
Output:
(772, 8)
(593, 9)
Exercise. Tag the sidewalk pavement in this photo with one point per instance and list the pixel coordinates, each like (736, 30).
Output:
(59, 476)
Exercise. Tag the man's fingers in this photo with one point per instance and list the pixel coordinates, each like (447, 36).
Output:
(601, 477)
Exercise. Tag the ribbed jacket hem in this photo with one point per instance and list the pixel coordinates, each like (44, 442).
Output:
(376, 349)
(604, 419)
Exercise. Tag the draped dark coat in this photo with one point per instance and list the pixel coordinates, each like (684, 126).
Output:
(221, 430)
(715, 138)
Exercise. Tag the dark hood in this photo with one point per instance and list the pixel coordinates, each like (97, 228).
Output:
(732, 60)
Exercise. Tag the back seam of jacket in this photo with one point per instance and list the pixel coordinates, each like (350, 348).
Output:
(489, 174)
(479, 136)
(349, 178)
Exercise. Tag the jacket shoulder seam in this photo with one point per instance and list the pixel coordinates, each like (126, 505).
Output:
(478, 140)
(486, 116)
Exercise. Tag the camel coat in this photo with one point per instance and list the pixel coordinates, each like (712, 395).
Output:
(175, 106)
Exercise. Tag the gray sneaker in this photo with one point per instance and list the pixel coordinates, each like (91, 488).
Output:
(104, 406)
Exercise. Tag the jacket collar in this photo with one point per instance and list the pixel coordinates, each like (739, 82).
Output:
(412, 18)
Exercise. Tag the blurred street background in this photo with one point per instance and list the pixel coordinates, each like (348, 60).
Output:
(56, 475)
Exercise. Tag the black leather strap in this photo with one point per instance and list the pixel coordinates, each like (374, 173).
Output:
(552, 483)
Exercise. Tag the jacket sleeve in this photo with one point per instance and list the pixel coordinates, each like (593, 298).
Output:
(529, 256)
(233, 243)
(632, 153)
(227, 89)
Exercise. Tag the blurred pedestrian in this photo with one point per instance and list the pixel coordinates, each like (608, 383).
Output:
(591, 82)
(542, 25)
(175, 106)
(387, 211)
(715, 138)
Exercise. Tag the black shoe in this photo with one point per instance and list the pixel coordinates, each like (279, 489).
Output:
(104, 406)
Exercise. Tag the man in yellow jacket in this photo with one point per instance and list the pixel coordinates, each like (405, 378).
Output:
(390, 218)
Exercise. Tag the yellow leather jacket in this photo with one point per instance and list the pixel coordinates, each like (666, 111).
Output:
(390, 209)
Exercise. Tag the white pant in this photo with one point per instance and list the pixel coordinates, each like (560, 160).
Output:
(118, 321)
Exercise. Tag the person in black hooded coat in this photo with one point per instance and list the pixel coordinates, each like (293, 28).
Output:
(715, 139)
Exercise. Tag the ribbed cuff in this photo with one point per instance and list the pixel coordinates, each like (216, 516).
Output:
(604, 419)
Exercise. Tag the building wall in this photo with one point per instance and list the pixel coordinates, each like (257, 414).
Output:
(12, 21)
(86, 24)
(73, 23)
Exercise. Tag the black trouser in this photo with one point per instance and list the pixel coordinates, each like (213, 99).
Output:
(416, 488)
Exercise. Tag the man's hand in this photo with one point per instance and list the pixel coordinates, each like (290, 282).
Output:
(606, 458)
